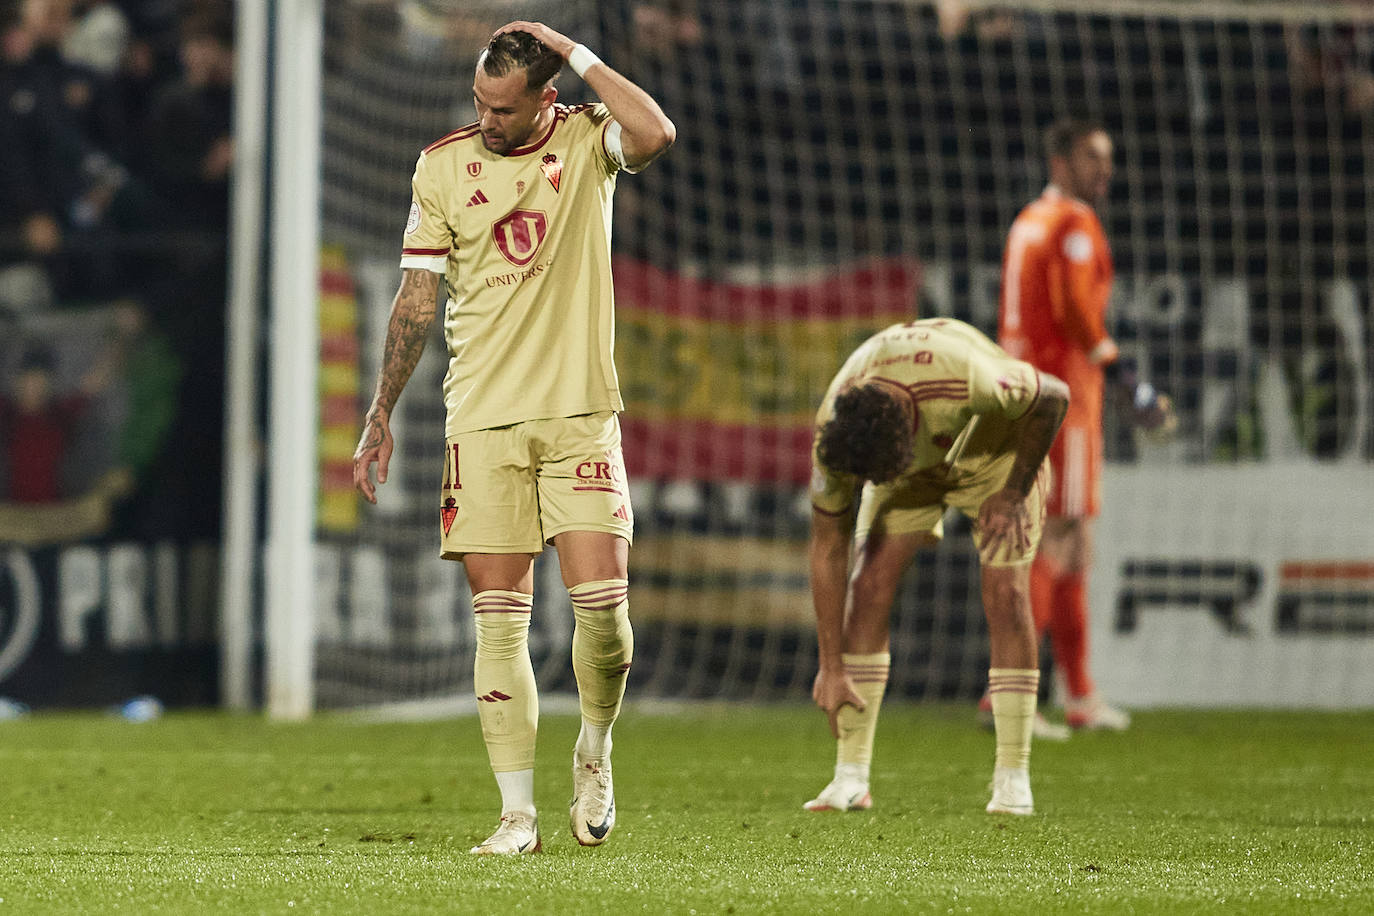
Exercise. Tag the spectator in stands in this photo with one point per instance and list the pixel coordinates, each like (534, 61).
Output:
(39, 423)
(188, 156)
(986, 23)
(98, 37)
(29, 214)
(189, 141)
(65, 181)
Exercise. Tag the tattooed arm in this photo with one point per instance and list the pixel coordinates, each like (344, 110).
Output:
(412, 315)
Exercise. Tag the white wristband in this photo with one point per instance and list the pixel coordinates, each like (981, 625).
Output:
(581, 59)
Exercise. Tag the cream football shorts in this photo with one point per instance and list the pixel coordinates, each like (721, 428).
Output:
(513, 488)
(916, 503)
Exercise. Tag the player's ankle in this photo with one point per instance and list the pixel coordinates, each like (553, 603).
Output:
(852, 772)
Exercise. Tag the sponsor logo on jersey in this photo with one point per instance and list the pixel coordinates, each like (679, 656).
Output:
(477, 199)
(623, 513)
(518, 276)
(519, 234)
(604, 476)
(1078, 247)
(552, 169)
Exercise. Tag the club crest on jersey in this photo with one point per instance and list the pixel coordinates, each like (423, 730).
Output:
(519, 234)
(552, 169)
(448, 513)
(474, 169)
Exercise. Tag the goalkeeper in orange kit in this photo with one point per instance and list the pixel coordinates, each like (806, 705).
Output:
(1056, 281)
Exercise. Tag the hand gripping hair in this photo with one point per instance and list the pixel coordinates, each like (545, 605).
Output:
(511, 50)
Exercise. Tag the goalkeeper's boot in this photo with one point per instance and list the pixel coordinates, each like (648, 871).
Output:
(592, 811)
(1093, 713)
(518, 833)
(1041, 728)
(1011, 791)
(842, 794)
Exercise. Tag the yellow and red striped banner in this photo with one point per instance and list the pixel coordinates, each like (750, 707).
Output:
(722, 379)
(339, 390)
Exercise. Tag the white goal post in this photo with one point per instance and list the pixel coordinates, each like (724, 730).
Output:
(841, 166)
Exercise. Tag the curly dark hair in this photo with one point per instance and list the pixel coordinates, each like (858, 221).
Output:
(868, 436)
(511, 50)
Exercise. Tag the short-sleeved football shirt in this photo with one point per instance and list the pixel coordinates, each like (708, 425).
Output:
(523, 240)
(952, 373)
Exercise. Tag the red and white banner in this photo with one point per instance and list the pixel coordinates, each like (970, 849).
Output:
(722, 379)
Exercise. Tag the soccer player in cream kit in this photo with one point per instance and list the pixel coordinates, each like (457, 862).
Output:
(514, 212)
(923, 417)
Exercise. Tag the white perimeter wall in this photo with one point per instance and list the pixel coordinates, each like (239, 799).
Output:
(1259, 518)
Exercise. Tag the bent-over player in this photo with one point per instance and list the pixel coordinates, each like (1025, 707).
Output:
(921, 417)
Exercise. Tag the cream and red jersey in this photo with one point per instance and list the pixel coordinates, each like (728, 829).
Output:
(952, 373)
(1056, 281)
(524, 241)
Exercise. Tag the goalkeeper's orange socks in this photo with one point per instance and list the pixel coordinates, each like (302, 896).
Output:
(1069, 633)
(602, 647)
(1042, 578)
(1013, 693)
(854, 750)
(1059, 604)
(507, 700)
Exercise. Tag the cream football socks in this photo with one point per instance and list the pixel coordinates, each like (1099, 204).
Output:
(854, 750)
(1013, 694)
(507, 699)
(602, 646)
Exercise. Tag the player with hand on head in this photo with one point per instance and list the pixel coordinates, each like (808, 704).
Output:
(921, 417)
(514, 213)
(1056, 281)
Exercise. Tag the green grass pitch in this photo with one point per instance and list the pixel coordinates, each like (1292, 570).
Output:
(1189, 812)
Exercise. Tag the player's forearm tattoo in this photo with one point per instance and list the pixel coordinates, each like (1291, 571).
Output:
(1037, 431)
(412, 316)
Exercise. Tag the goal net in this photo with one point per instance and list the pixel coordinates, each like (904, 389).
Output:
(841, 166)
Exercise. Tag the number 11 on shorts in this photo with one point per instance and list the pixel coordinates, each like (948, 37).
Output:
(452, 479)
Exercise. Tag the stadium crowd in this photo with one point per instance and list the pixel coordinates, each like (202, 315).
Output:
(115, 156)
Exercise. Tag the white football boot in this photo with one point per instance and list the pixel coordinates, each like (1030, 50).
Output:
(1093, 713)
(842, 794)
(518, 834)
(592, 811)
(1011, 792)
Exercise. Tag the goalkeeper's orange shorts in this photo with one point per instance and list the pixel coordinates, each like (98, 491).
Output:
(1076, 458)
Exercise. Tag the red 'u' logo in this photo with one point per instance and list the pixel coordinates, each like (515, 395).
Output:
(519, 234)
